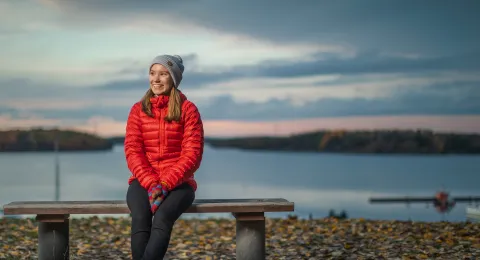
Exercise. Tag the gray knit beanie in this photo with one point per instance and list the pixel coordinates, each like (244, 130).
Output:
(174, 64)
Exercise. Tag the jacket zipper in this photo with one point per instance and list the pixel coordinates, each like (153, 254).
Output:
(161, 134)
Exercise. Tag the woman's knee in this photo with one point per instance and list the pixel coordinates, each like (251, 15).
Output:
(184, 193)
(181, 198)
(138, 204)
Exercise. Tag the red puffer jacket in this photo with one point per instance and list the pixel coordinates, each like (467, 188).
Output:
(158, 151)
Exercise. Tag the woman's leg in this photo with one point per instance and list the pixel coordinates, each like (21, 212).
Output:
(137, 201)
(174, 205)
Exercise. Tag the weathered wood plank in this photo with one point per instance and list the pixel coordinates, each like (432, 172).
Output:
(120, 206)
(199, 201)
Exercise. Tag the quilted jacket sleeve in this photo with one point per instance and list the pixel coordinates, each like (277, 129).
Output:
(135, 151)
(192, 149)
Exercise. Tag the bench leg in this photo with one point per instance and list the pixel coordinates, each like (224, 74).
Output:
(53, 237)
(250, 237)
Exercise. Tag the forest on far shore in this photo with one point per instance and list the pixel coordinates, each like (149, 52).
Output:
(328, 141)
(378, 141)
(39, 140)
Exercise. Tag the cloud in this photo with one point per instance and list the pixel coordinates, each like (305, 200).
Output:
(364, 63)
(372, 62)
(318, 59)
(450, 97)
(249, 55)
(232, 128)
(409, 27)
(466, 101)
(8, 121)
(233, 95)
(310, 89)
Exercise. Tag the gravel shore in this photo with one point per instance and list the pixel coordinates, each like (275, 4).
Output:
(108, 238)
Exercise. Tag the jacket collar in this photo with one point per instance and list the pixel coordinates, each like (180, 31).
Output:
(162, 100)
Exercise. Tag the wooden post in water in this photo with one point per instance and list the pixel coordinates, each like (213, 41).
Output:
(57, 169)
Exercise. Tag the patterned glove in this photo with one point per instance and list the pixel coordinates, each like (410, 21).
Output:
(156, 194)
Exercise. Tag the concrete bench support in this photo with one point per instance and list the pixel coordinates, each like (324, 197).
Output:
(250, 236)
(53, 237)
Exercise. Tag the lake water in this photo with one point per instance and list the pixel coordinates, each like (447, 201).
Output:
(315, 182)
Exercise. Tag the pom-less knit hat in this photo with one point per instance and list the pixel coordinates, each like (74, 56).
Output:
(174, 64)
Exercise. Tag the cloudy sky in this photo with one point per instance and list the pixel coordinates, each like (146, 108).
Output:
(252, 67)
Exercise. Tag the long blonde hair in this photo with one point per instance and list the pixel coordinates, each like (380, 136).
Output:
(174, 105)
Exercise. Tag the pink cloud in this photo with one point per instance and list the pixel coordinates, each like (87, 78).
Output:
(6, 122)
(225, 128)
(463, 124)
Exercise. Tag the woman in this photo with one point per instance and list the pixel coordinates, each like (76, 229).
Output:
(163, 149)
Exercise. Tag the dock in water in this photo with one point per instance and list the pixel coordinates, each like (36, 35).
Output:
(473, 213)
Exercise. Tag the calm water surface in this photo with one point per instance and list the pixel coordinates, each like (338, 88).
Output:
(315, 182)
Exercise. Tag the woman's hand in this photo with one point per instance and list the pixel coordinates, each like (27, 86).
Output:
(156, 194)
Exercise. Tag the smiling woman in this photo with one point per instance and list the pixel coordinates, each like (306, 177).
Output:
(163, 148)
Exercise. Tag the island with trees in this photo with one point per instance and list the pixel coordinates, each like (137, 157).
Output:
(372, 142)
(324, 141)
(40, 140)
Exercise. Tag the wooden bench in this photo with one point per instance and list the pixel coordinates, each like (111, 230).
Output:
(53, 218)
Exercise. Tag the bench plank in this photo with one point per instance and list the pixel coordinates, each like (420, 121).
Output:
(120, 206)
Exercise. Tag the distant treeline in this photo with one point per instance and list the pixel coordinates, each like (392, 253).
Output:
(380, 141)
(44, 140)
(117, 139)
(339, 141)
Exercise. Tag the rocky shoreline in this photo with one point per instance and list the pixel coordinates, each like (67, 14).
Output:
(329, 238)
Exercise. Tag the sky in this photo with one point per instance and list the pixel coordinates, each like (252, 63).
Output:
(252, 67)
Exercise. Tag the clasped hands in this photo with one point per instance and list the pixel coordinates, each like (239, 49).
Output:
(156, 194)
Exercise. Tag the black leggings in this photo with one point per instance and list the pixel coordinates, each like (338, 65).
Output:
(150, 239)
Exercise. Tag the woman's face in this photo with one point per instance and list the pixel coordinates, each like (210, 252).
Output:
(160, 80)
